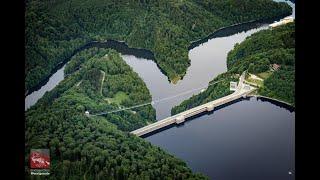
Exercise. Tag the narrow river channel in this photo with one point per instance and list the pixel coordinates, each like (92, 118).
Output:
(250, 139)
(207, 61)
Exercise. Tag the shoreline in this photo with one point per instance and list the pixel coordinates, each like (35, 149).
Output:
(150, 55)
(273, 99)
(251, 24)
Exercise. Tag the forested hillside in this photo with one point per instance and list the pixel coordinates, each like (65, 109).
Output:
(55, 28)
(257, 54)
(259, 51)
(219, 88)
(98, 147)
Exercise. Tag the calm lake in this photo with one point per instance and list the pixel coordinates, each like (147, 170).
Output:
(247, 140)
(250, 139)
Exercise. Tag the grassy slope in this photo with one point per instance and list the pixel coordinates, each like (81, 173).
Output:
(118, 98)
(55, 28)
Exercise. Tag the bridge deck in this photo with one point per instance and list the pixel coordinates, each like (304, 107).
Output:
(240, 92)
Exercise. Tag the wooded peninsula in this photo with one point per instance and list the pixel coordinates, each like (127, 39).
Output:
(99, 80)
(268, 55)
(56, 28)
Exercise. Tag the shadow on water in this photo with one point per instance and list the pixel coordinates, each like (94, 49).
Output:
(124, 49)
(195, 117)
(121, 47)
(234, 29)
(158, 130)
(59, 66)
(277, 103)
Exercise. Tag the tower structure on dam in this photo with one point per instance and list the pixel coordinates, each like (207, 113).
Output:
(233, 86)
(240, 91)
(210, 107)
(180, 119)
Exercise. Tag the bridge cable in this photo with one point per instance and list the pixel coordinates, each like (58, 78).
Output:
(155, 101)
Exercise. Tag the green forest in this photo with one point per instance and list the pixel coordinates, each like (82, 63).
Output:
(219, 88)
(259, 51)
(98, 147)
(255, 54)
(54, 29)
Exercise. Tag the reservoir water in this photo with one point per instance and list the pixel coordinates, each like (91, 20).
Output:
(249, 139)
(207, 61)
(53, 81)
(212, 50)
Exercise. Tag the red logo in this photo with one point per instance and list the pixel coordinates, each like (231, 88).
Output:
(39, 159)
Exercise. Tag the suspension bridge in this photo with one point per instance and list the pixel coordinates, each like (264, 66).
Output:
(241, 91)
(155, 101)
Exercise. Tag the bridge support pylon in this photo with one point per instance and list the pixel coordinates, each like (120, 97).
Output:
(180, 119)
(210, 107)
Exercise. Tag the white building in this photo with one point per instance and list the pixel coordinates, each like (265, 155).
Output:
(246, 87)
(233, 86)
